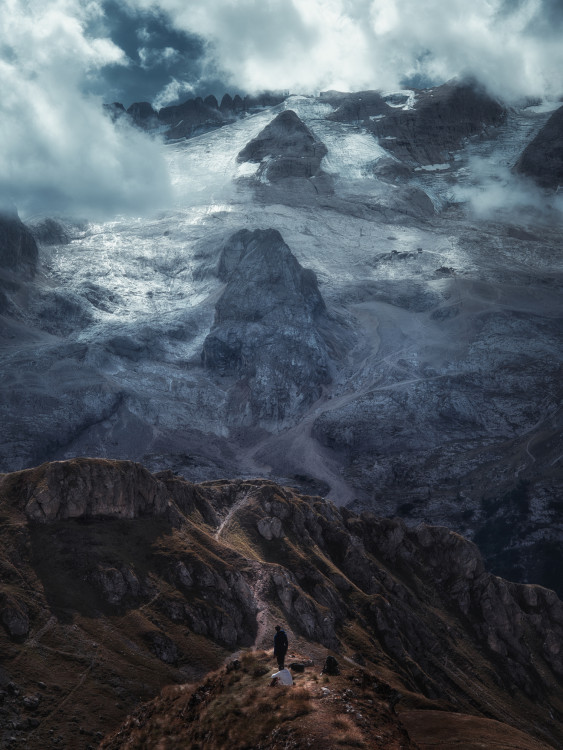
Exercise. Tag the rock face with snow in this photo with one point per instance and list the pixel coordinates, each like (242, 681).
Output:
(155, 580)
(285, 148)
(440, 121)
(143, 114)
(267, 329)
(542, 159)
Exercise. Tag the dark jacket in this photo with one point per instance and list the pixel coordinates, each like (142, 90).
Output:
(280, 642)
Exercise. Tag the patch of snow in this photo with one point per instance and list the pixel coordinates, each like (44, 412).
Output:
(433, 167)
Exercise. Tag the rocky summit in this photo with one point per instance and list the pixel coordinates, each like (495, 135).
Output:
(116, 582)
(268, 329)
(285, 148)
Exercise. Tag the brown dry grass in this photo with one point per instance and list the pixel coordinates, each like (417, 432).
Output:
(239, 709)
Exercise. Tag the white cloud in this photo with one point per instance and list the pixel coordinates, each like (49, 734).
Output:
(151, 56)
(59, 152)
(172, 92)
(307, 45)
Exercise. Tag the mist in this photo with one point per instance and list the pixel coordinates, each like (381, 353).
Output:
(497, 192)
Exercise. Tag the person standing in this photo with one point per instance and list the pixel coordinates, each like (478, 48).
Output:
(280, 646)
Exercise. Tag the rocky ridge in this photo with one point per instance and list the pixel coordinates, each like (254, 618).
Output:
(122, 581)
(194, 116)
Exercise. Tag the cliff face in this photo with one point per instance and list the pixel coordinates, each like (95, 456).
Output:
(119, 582)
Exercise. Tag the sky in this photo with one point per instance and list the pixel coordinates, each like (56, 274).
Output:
(60, 60)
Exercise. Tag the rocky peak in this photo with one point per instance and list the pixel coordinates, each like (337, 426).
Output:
(266, 329)
(142, 112)
(285, 148)
(357, 106)
(261, 261)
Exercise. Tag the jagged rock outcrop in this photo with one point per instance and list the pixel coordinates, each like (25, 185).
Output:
(171, 592)
(268, 328)
(542, 159)
(194, 116)
(285, 148)
(439, 122)
(18, 249)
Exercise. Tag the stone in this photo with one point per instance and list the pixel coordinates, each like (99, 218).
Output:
(14, 618)
(163, 647)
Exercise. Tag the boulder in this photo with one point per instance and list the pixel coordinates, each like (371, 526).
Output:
(14, 618)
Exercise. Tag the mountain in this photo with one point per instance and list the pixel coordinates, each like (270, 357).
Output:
(116, 582)
(351, 294)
